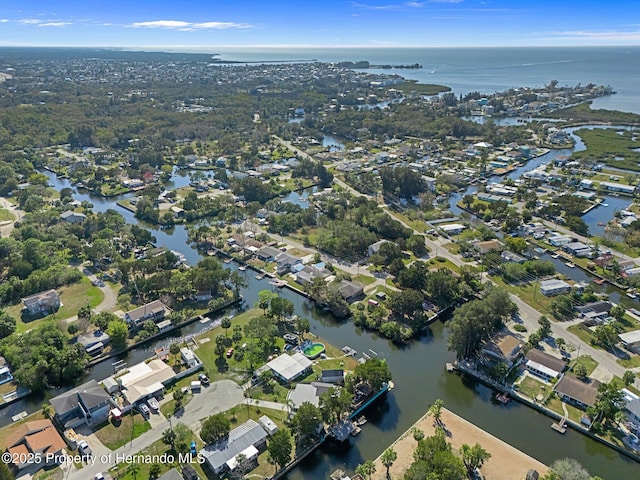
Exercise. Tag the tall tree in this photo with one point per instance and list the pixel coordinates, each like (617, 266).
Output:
(280, 448)
(366, 469)
(473, 457)
(388, 457)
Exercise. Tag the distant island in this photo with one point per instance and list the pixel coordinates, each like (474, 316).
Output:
(366, 64)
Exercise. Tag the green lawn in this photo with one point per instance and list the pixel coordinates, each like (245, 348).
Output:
(587, 361)
(555, 404)
(582, 334)
(632, 362)
(6, 215)
(113, 436)
(169, 408)
(72, 298)
(531, 387)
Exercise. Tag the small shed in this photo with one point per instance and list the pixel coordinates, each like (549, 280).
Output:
(269, 425)
(196, 386)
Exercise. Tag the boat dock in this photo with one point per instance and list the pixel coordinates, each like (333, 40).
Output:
(348, 351)
(561, 426)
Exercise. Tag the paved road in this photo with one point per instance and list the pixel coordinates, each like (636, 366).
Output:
(218, 397)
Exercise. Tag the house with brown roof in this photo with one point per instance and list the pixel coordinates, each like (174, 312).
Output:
(35, 437)
(572, 390)
(544, 365)
(486, 247)
(503, 347)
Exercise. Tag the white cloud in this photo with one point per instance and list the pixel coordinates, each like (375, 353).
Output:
(30, 21)
(189, 26)
(4, 20)
(54, 24)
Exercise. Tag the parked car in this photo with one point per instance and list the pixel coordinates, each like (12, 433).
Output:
(144, 410)
(203, 379)
(229, 353)
(84, 449)
(193, 449)
(99, 476)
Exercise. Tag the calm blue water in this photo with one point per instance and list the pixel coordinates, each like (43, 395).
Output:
(486, 70)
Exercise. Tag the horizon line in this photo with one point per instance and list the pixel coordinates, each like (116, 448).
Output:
(178, 48)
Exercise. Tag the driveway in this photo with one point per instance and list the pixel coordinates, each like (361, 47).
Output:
(218, 397)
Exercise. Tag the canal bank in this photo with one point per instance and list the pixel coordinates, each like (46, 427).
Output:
(418, 374)
(506, 462)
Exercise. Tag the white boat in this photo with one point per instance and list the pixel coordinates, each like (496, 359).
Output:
(554, 255)
(153, 404)
(570, 265)
(242, 268)
(604, 204)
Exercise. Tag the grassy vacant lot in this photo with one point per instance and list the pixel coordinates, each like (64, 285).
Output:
(113, 436)
(6, 215)
(531, 387)
(612, 146)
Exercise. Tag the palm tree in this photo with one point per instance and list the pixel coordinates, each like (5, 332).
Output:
(366, 469)
(388, 457)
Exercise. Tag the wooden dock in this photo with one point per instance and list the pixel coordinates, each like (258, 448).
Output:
(561, 426)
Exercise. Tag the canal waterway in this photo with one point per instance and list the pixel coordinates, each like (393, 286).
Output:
(419, 375)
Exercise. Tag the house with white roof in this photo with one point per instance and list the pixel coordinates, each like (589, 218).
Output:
(287, 367)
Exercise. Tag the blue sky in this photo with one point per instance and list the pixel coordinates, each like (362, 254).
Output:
(329, 23)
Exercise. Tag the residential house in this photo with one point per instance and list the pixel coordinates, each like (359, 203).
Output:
(188, 357)
(452, 228)
(203, 296)
(616, 187)
(42, 303)
(73, 217)
(286, 368)
(560, 240)
(632, 408)
(503, 347)
(350, 291)
(554, 287)
(307, 393)
(544, 365)
(36, 437)
(509, 256)
(247, 439)
(285, 261)
(631, 340)
(577, 249)
(141, 381)
(94, 342)
(307, 275)
(572, 390)
(172, 474)
(268, 254)
(594, 310)
(374, 247)
(86, 404)
(154, 311)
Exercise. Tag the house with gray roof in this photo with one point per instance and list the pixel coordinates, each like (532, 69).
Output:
(307, 393)
(286, 368)
(73, 217)
(248, 439)
(172, 474)
(154, 311)
(350, 291)
(45, 302)
(86, 404)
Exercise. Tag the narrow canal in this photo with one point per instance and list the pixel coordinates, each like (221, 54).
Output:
(419, 376)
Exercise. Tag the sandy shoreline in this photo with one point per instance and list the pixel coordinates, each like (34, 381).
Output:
(506, 462)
